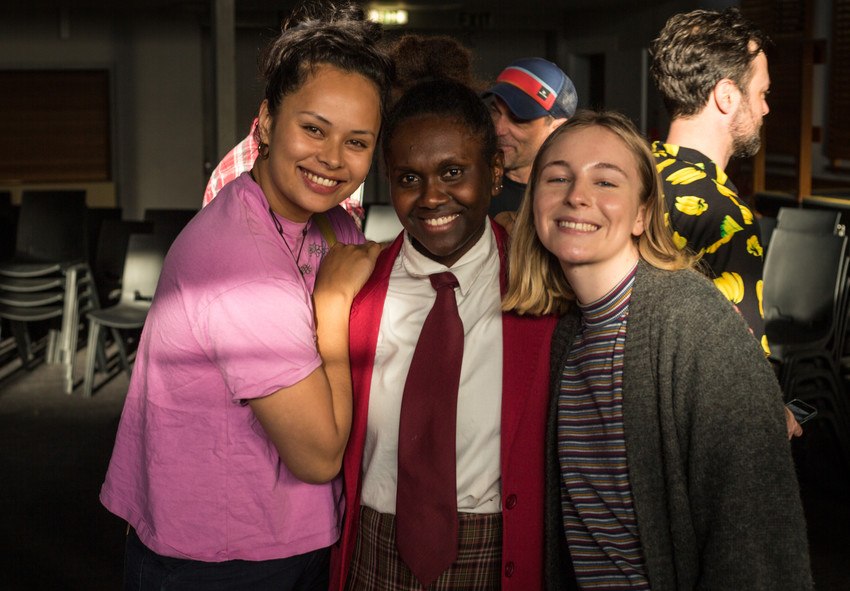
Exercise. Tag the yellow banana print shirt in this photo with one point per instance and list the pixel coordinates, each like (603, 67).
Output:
(706, 215)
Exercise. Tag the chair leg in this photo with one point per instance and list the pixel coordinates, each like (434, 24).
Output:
(122, 349)
(102, 359)
(23, 342)
(91, 356)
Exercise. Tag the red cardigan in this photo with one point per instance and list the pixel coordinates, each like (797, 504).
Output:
(525, 385)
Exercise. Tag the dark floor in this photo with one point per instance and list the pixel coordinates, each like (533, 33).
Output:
(54, 449)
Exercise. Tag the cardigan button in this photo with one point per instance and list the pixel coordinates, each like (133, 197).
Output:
(509, 569)
(510, 502)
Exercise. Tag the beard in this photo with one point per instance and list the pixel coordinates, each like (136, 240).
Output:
(746, 133)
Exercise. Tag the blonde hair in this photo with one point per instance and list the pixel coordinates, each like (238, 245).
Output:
(537, 284)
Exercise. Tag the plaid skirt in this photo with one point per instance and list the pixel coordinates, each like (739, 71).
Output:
(376, 564)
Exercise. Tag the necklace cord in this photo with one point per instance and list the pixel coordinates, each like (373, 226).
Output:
(279, 229)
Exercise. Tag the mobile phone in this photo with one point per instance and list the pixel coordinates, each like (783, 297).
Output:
(802, 411)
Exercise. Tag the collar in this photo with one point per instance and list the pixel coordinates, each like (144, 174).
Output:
(692, 157)
(612, 305)
(466, 270)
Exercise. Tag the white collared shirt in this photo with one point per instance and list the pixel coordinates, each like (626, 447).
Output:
(409, 299)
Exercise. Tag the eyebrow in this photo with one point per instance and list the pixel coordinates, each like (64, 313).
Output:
(603, 165)
(328, 122)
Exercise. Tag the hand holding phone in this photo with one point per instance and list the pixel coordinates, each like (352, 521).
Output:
(802, 411)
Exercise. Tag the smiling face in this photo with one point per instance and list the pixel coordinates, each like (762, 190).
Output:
(587, 207)
(441, 185)
(320, 142)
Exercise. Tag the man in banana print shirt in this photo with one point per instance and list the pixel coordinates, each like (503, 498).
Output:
(711, 70)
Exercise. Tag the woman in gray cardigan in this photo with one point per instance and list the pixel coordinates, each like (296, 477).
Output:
(668, 463)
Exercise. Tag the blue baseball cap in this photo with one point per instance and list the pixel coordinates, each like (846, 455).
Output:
(533, 87)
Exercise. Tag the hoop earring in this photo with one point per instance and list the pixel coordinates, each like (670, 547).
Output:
(263, 150)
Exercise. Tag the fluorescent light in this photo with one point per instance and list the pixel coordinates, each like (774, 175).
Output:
(388, 16)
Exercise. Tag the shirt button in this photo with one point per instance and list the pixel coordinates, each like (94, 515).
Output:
(509, 569)
(510, 503)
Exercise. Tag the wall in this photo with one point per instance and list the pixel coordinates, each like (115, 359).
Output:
(162, 73)
(155, 65)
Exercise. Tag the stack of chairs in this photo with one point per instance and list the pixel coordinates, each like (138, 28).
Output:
(48, 281)
(805, 309)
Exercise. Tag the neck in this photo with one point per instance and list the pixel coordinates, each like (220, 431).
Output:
(277, 201)
(591, 282)
(704, 134)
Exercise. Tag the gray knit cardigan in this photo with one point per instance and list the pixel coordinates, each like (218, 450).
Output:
(714, 487)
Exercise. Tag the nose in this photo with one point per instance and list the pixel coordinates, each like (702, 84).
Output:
(432, 195)
(577, 194)
(500, 125)
(765, 108)
(331, 154)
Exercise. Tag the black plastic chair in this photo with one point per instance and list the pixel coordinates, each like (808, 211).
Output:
(821, 221)
(95, 218)
(110, 254)
(766, 227)
(145, 255)
(805, 283)
(803, 295)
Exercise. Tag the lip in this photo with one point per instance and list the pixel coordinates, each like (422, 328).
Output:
(319, 183)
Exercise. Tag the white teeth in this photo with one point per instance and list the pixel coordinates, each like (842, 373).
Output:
(440, 221)
(320, 180)
(578, 226)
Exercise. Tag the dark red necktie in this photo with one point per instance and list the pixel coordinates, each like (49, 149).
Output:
(426, 500)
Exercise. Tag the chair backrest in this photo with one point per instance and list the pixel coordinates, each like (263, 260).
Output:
(767, 225)
(111, 252)
(52, 226)
(804, 283)
(382, 223)
(95, 217)
(808, 220)
(145, 255)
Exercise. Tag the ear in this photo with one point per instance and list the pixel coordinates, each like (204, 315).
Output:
(498, 167)
(556, 123)
(726, 96)
(265, 123)
(640, 223)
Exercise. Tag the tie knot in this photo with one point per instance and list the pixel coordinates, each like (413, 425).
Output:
(441, 280)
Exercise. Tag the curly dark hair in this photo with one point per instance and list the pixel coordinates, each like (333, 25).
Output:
(695, 50)
(319, 33)
(417, 57)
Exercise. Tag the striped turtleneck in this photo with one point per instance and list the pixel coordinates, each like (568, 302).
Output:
(596, 496)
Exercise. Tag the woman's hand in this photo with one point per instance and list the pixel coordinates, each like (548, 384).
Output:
(345, 269)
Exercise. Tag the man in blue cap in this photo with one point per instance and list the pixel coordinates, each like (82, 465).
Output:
(531, 97)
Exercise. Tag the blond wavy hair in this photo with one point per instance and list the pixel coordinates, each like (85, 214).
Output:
(536, 283)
